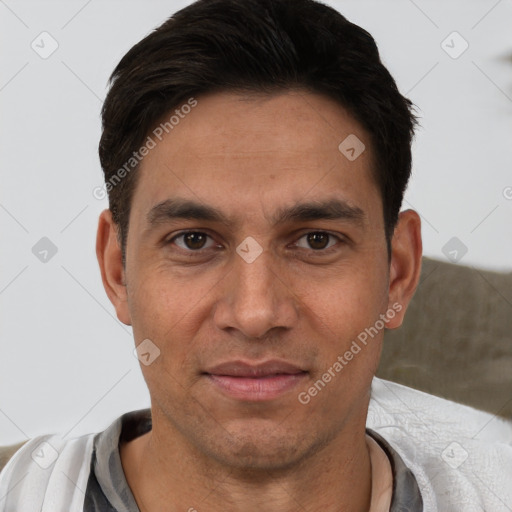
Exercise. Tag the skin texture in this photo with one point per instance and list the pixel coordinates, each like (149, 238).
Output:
(249, 156)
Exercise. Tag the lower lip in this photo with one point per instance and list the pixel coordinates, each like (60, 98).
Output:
(257, 389)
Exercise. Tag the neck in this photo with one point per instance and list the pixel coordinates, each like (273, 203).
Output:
(167, 474)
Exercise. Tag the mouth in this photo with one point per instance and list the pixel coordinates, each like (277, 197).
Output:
(255, 382)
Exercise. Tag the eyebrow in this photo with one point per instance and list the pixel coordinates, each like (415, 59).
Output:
(332, 209)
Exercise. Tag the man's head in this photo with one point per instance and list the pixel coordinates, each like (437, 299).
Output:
(251, 236)
(262, 46)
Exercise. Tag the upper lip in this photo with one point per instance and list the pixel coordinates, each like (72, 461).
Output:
(263, 369)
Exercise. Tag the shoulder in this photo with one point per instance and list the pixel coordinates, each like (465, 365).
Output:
(6, 452)
(45, 466)
(460, 456)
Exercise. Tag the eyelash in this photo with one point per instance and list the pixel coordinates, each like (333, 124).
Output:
(192, 252)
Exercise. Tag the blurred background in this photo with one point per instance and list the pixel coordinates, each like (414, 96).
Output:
(66, 362)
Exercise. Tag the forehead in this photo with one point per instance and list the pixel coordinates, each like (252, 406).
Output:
(240, 151)
(285, 122)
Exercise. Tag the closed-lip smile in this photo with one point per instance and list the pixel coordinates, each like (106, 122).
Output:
(251, 381)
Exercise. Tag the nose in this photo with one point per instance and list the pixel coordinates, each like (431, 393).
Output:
(256, 298)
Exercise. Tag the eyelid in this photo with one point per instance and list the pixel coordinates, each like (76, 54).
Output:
(338, 237)
(172, 240)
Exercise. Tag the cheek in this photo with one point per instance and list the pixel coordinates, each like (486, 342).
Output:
(350, 342)
(169, 311)
(345, 319)
(347, 301)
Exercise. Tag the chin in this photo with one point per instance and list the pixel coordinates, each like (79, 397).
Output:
(255, 450)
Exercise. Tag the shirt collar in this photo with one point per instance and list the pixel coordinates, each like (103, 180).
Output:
(110, 475)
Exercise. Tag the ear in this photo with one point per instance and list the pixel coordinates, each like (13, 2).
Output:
(405, 266)
(108, 252)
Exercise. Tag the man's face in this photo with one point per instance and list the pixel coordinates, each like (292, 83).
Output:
(317, 284)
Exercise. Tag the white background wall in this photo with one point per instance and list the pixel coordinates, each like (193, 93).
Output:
(66, 363)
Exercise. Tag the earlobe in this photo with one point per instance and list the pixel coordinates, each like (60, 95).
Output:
(405, 264)
(110, 261)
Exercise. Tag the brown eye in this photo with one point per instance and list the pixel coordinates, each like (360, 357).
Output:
(318, 240)
(192, 240)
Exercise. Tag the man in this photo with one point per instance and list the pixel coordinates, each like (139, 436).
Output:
(255, 155)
